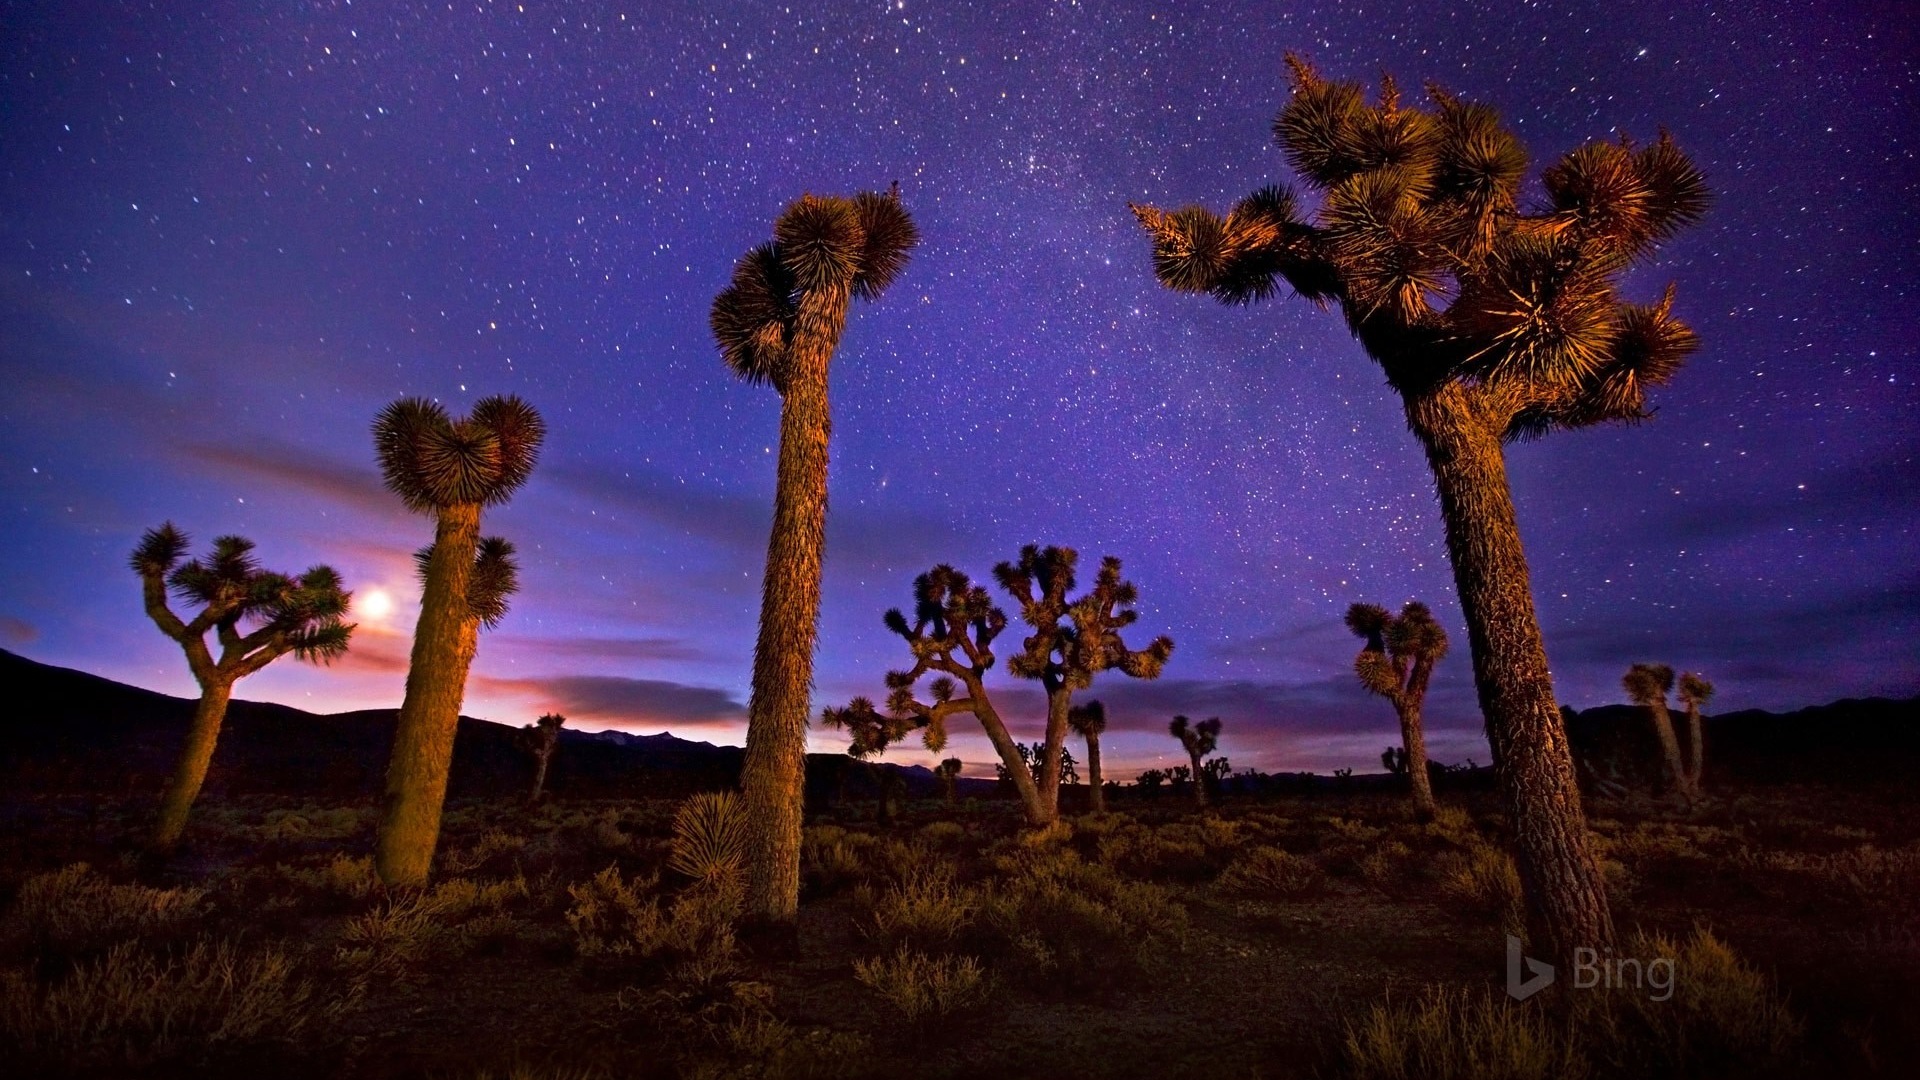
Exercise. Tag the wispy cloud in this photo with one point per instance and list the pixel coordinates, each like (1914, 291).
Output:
(288, 466)
(647, 703)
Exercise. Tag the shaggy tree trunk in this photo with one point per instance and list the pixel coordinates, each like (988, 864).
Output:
(1010, 758)
(444, 641)
(1696, 748)
(1058, 702)
(1097, 800)
(773, 775)
(1199, 783)
(1566, 896)
(1415, 742)
(1677, 774)
(191, 771)
(540, 774)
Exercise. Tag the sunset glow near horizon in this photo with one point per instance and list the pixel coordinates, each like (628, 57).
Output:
(228, 238)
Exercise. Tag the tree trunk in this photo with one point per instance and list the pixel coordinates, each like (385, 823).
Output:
(1676, 769)
(1566, 896)
(1058, 702)
(1199, 783)
(1696, 748)
(1097, 800)
(444, 642)
(773, 775)
(1415, 742)
(1010, 758)
(540, 775)
(191, 770)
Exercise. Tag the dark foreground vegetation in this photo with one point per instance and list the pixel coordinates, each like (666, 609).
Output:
(1322, 934)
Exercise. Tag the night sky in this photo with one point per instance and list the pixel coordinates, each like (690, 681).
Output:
(228, 236)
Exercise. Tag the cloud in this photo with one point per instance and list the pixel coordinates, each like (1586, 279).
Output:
(660, 649)
(17, 631)
(651, 703)
(287, 466)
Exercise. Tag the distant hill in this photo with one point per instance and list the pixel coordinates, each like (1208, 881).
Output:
(67, 731)
(1857, 740)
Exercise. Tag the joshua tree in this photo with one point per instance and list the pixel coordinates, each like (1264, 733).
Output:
(779, 321)
(1396, 664)
(1152, 779)
(1647, 685)
(1695, 692)
(452, 469)
(1199, 740)
(544, 734)
(1089, 721)
(283, 614)
(1491, 324)
(947, 772)
(869, 735)
(1072, 640)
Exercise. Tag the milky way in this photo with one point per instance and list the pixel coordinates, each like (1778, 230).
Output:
(227, 238)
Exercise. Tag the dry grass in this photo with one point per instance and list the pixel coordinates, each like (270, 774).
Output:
(921, 987)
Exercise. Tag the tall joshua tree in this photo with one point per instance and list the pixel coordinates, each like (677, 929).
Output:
(1199, 740)
(1089, 721)
(1072, 640)
(451, 469)
(1396, 663)
(1648, 685)
(545, 735)
(779, 321)
(281, 615)
(951, 636)
(1695, 692)
(1491, 324)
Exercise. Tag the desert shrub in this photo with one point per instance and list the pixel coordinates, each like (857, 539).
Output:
(75, 912)
(606, 908)
(132, 1008)
(1453, 1033)
(315, 823)
(1484, 881)
(927, 910)
(1267, 872)
(1723, 1018)
(618, 922)
(709, 836)
(524, 1070)
(493, 844)
(943, 833)
(922, 987)
(1167, 854)
(1453, 825)
(394, 940)
(1063, 923)
(339, 882)
(831, 858)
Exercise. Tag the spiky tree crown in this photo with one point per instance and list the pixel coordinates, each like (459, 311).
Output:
(495, 578)
(1648, 683)
(950, 767)
(432, 461)
(304, 615)
(954, 625)
(1199, 739)
(869, 731)
(1695, 690)
(820, 244)
(1421, 242)
(1074, 640)
(1399, 648)
(552, 721)
(1089, 719)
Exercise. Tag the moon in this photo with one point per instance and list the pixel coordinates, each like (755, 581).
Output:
(375, 604)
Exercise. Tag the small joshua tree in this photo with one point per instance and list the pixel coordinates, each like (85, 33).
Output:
(869, 734)
(1152, 779)
(779, 321)
(1491, 324)
(1695, 692)
(948, 772)
(1397, 663)
(544, 736)
(279, 615)
(1648, 685)
(452, 469)
(1089, 721)
(1072, 640)
(1199, 740)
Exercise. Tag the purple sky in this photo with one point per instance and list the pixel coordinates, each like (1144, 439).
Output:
(227, 238)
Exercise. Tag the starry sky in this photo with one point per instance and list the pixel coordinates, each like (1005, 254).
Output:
(230, 233)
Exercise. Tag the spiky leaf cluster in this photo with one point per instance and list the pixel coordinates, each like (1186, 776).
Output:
(1199, 739)
(1647, 684)
(1075, 639)
(1439, 272)
(820, 244)
(869, 731)
(1695, 690)
(1400, 650)
(1088, 720)
(952, 632)
(433, 461)
(490, 587)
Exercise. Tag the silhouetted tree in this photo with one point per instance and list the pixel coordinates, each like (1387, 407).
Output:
(544, 735)
(948, 772)
(1397, 663)
(1199, 740)
(1072, 640)
(1089, 721)
(1647, 685)
(954, 626)
(1151, 780)
(1695, 692)
(256, 616)
(779, 321)
(452, 469)
(1491, 324)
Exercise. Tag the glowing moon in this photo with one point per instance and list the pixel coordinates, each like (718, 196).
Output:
(374, 604)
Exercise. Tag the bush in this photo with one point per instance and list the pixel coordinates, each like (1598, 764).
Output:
(709, 837)
(132, 1008)
(614, 918)
(1484, 880)
(73, 913)
(1452, 1033)
(926, 910)
(1063, 923)
(923, 987)
(1269, 873)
